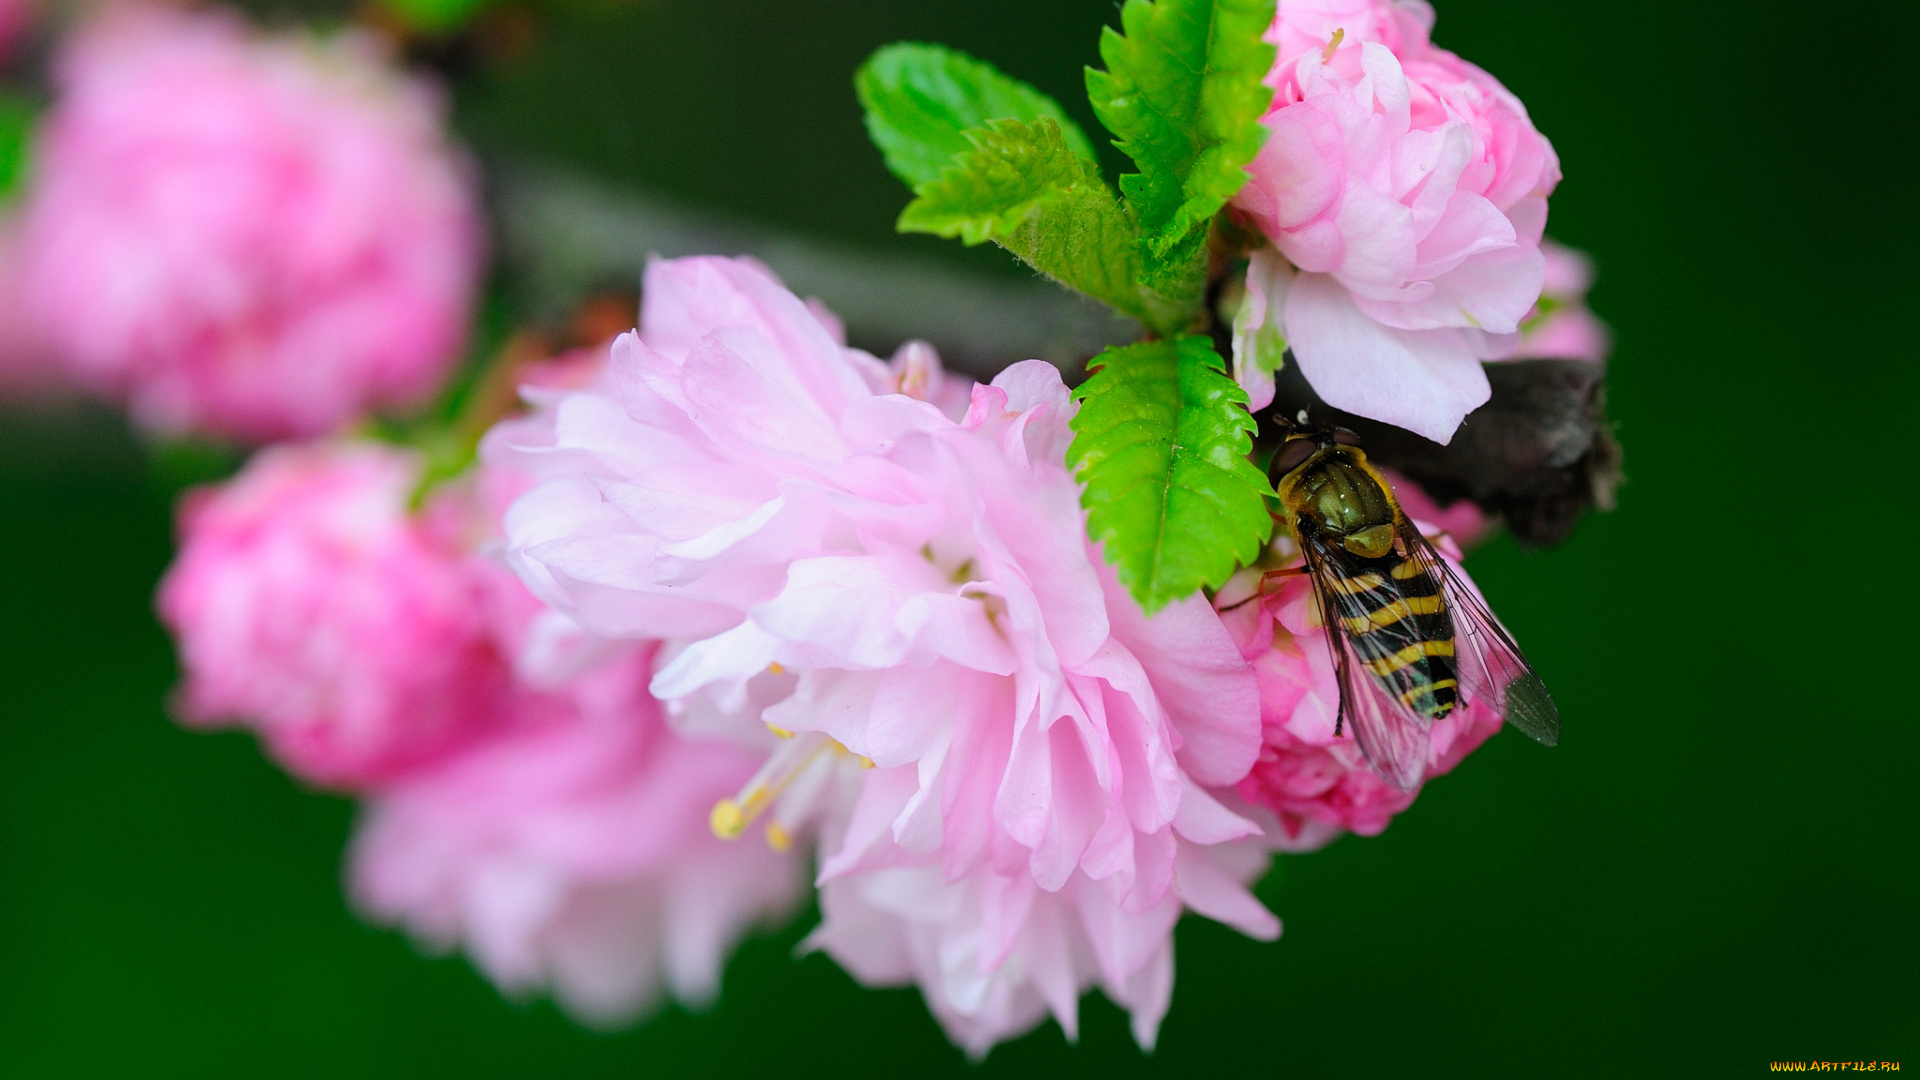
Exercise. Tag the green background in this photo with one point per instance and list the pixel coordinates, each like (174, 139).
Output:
(1715, 869)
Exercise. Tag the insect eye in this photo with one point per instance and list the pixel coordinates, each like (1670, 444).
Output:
(1345, 438)
(1290, 457)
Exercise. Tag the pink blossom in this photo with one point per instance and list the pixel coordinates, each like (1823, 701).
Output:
(827, 552)
(1306, 26)
(308, 604)
(248, 236)
(24, 369)
(1461, 520)
(571, 851)
(995, 954)
(1561, 326)
(15, 16)
(1318, 784)
(1404, 191)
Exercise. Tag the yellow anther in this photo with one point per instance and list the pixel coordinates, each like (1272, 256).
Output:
(787, 763)
(778, 838)
(776, 669)
(731, 817)
(727, 820)
(866, 762)
(1333, 43)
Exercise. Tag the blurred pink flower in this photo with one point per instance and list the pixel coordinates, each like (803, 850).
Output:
(1404, 191)
(15, 16)
(1316, 784)
(308, 604)
(24, 369)
(571, 851)
(1561, 326)
(1462, 519)
(253, 237)
(828, 552)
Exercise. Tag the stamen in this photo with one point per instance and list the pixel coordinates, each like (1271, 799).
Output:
(800, 758)
(778, 838)
(1333, 43)
(780, 731)
(727, 820)
(776, 669)
(996, 607)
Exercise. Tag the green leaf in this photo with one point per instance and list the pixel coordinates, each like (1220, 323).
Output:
(1182, 92)
(1160, 447)
(1022, 186)
(436, 16)
(16, 136)
(921, 99)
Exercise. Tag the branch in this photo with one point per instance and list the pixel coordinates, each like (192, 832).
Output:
(567, 237)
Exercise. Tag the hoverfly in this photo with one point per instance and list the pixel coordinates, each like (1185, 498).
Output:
(1410, 642)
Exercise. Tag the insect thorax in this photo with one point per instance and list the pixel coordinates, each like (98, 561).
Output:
(1339, 495)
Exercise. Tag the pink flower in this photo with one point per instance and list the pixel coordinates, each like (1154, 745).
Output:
(827, 552)
(309, 605)
(1561, 326)
(24, 370)
(1306, 26)
(1404, 191)
(571, 851)
(1316, 783)
(258, 238)
(15, 16)
(995, 954)
(1461, 520)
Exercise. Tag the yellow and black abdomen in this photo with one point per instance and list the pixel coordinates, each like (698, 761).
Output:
(1394, 614)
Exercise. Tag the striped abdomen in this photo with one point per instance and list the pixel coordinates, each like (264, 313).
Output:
(1394, 615)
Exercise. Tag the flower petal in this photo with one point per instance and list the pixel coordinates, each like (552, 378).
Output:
(1424, 381)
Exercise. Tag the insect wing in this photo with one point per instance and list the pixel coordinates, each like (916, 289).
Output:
(1391, 733)
(1491, 667)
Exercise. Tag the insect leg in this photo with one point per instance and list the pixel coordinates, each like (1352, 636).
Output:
(1266, 579)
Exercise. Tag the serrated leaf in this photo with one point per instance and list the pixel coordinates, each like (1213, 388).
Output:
(920, 100)
(1022, 186)
(1182, 92)
(1160, 448)
(1179, 277)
